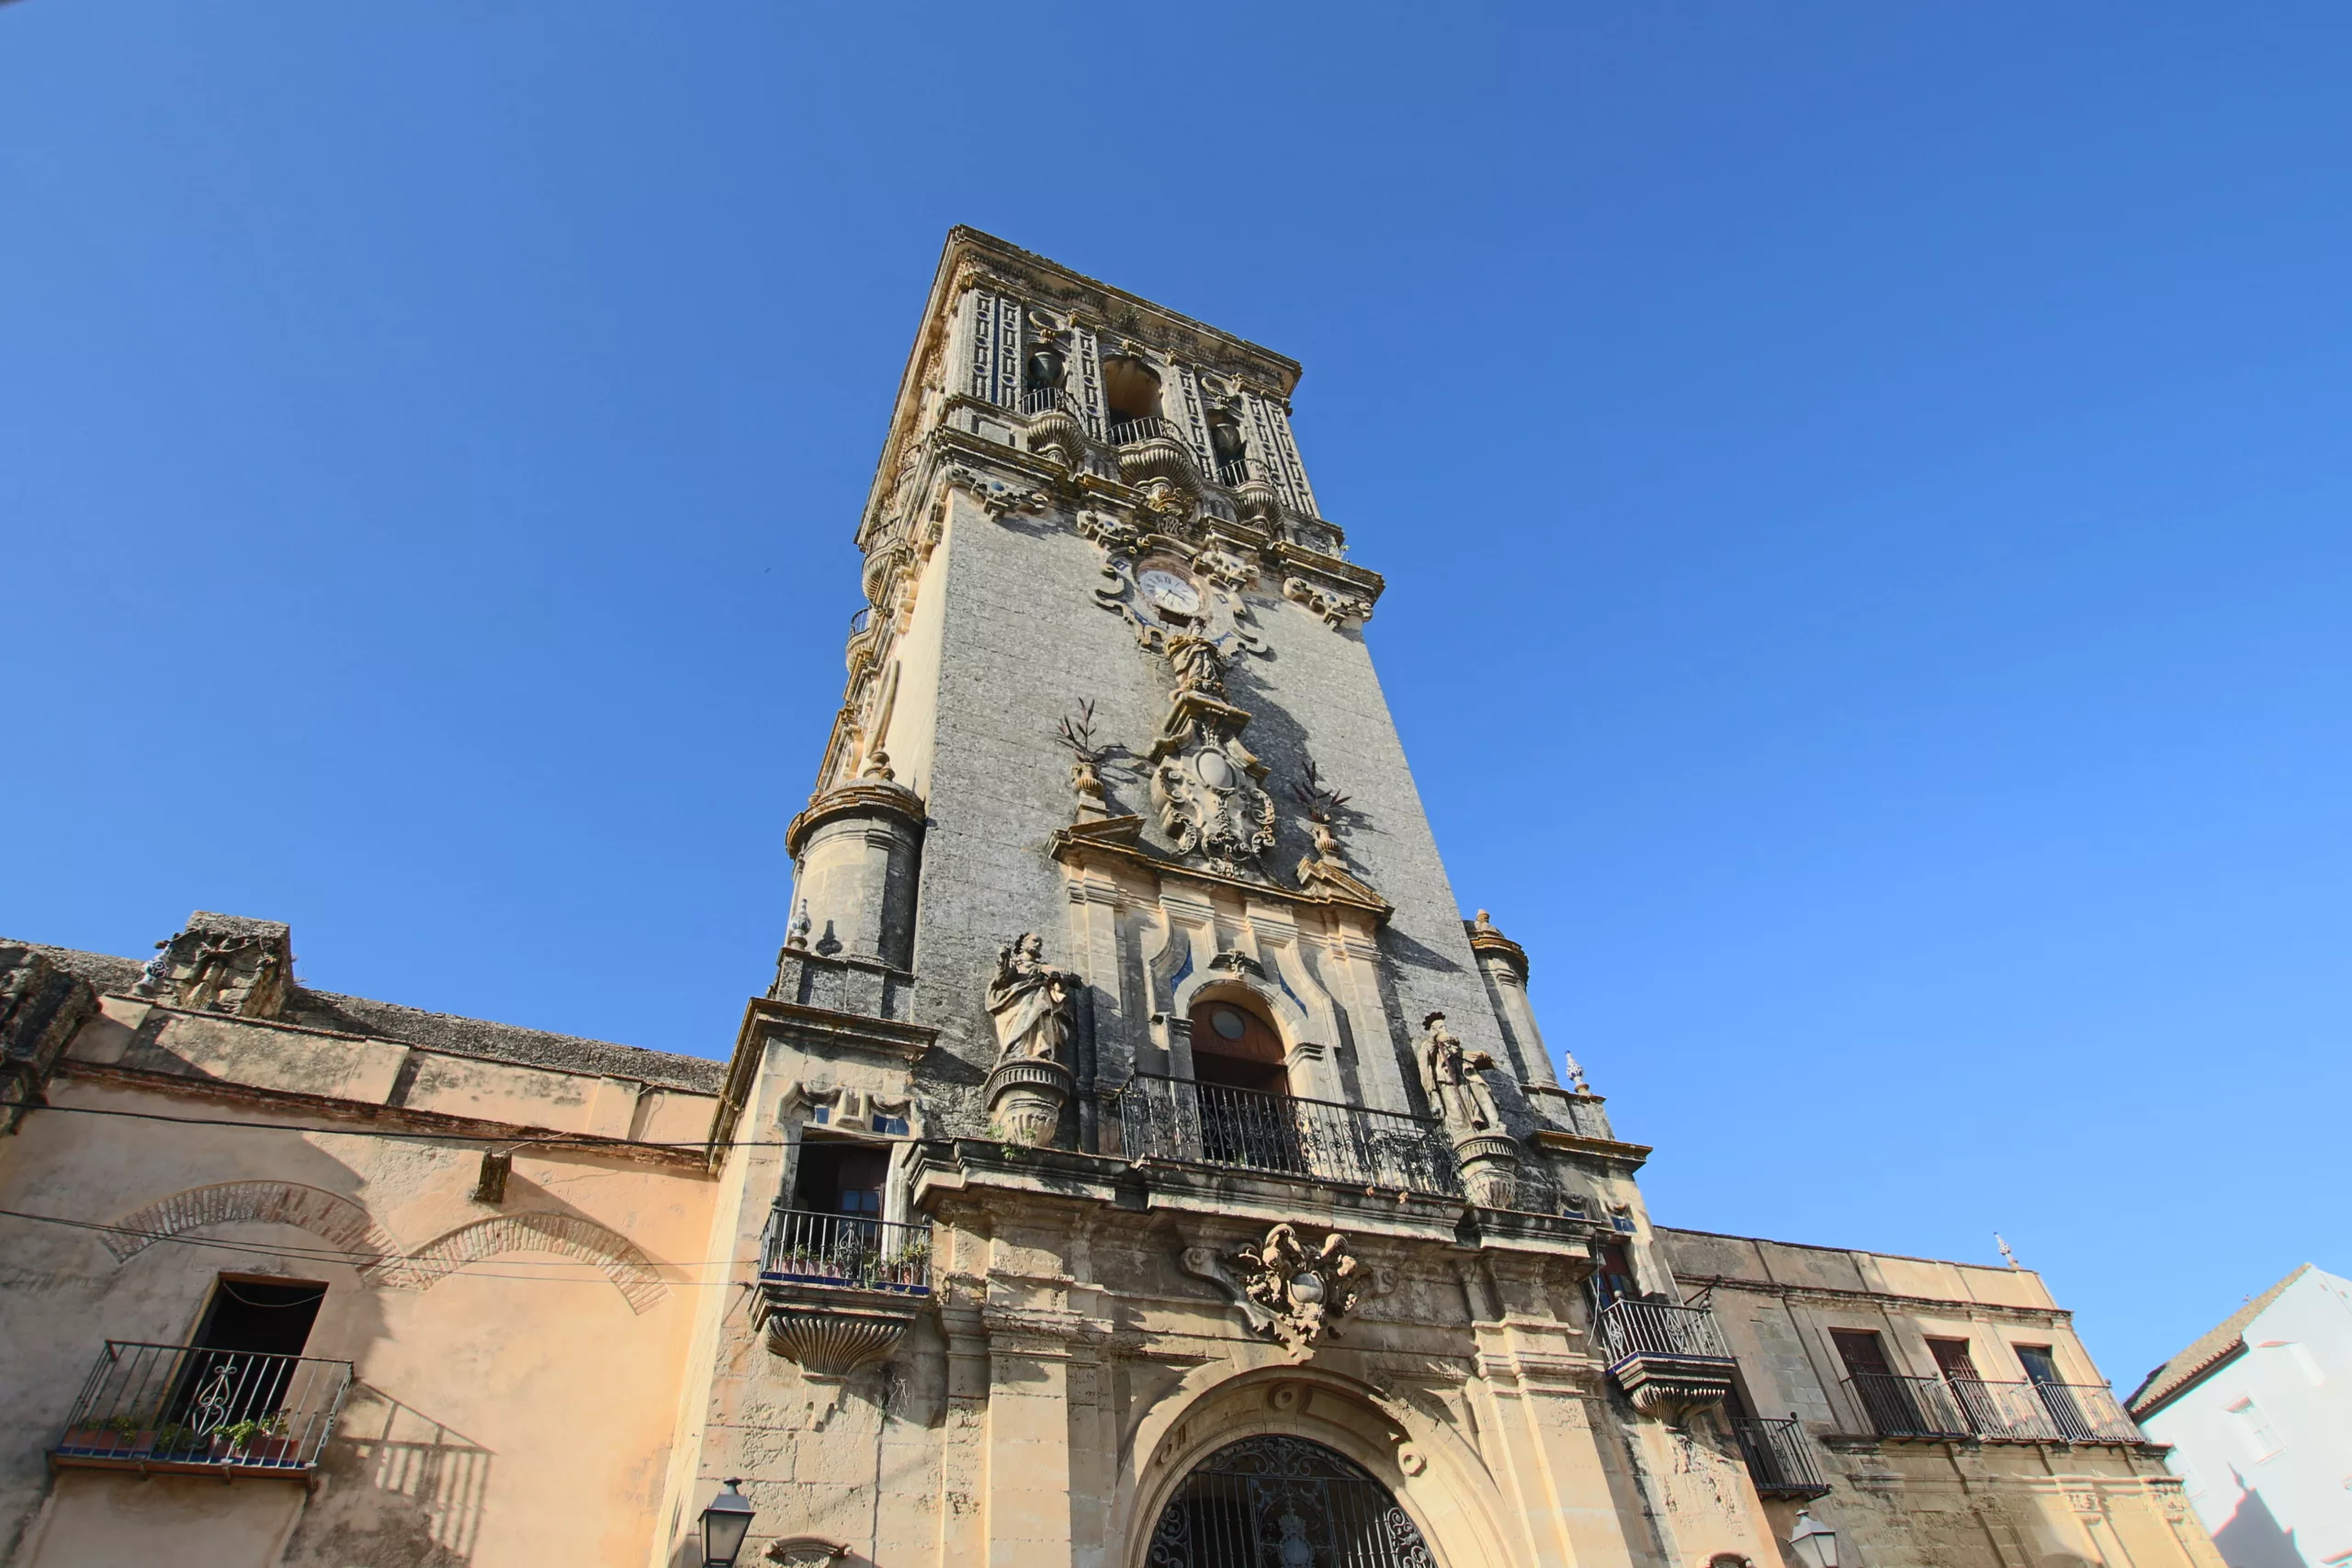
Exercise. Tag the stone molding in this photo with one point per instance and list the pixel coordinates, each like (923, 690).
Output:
(868, 796)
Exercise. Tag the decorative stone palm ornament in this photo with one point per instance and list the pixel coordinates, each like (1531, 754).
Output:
(1030, 1004)
(1456, 1080)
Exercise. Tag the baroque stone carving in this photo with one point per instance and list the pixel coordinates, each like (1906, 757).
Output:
(222, 964)
(1337, 609)
(1225, 569)
(832, 1340)
(1032, 1005)
(1204, 780)
(1076, 735)
(1030, 1002)
(1288, 1294)
(1455, 1078)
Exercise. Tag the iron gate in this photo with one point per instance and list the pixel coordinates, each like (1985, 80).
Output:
(1283, 1503)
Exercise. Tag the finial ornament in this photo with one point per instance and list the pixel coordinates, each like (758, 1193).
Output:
(1076, 734)
(2005, 1252)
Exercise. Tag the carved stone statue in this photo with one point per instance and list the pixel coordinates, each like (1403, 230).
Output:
(1030, 1002)
(1456, 1080)
(1198, 662)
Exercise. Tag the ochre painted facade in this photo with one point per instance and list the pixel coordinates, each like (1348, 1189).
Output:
(1137, 1161)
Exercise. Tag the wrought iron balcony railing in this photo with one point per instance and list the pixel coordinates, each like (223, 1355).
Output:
(1629, 1328)
(1779, 1459)
(1233, 473)
(1037, 400)
(1280, 1134)
(1997, 1412)
(1128, 431)
(846, 1250)
(181, 1407)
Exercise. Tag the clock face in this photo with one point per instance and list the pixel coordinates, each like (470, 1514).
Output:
(1166, 590)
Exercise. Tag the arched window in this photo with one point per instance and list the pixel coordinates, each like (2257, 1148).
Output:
(1277, 1500)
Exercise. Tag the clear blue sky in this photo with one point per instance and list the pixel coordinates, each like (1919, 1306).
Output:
(1864, 491)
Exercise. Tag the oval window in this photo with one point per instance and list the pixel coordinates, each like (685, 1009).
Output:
(1229, 1023)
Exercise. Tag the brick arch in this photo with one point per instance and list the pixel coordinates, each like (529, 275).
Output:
(332, 1219)
(574, 1235)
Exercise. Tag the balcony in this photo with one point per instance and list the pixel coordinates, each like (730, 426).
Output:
(1779, 1459)
(837, 1291)
(1233, 473)
(846, 1251)
(1282, 1136)
(1037, 400)
(1670, 1359)
(181, 1408)
(1969, 1409)
(1128, 432)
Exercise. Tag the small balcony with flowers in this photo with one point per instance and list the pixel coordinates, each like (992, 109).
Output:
(839, 1291)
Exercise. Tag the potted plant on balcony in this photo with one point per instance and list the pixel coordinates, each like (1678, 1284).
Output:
(118, 1434)
(173, 1440)
(256, 1440)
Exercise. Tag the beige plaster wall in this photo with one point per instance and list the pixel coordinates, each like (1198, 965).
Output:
(518, 1408)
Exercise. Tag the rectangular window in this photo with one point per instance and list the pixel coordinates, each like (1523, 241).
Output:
(2254, 1429)
(1952, 1360)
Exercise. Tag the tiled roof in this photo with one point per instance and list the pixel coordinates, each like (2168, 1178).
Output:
(2208, 1350)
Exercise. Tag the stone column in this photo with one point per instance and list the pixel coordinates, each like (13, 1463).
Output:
(1028, 1450)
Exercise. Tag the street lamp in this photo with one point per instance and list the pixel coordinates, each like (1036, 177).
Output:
(729, 1520)
(1815, 1543)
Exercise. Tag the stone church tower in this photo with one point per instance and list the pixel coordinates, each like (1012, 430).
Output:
(1127, 997)
(1137, 1161)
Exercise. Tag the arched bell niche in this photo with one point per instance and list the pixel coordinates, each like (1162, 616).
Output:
(1275, 1501)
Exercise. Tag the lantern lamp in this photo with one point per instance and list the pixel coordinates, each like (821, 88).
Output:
(724, 1525)
(1815, 1543)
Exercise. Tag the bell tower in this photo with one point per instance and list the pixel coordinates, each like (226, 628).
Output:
(1131, 1084)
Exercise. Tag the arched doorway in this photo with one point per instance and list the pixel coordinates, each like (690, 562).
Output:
(1242, 1089)
(1277, 1502)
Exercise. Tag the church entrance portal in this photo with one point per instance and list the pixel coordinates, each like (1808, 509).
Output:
(1283, 1503)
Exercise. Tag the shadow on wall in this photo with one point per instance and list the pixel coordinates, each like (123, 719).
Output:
(405, 1489)
(2251, 1538)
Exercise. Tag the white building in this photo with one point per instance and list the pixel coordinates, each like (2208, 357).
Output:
(2259, 1414)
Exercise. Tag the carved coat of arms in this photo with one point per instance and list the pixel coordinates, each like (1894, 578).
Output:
(1287, 1292)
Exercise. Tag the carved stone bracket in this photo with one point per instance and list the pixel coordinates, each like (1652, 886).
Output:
(832, 1332)
(222, 964)
(1337, 609)
(1025, 1100)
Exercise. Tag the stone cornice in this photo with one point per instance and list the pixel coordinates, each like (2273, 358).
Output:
(1112, 840)
(326, 1108)
(1632, 1156)
(869, 795)
(891, 1041)
(1938, 1305)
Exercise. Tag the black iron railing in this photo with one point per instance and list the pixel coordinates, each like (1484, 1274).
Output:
(1629, 1328)
(2000, 1412)
(1037, 400)
(1779, 1461)
(848, 1250)
(1128, 431)
(178, 1407)
(1280, 1134)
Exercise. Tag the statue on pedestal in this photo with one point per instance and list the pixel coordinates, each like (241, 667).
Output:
(1030, 1002)
(1456, 1080)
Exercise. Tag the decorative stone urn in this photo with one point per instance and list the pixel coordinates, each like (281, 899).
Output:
(1489, 1163)
(1025, 1098)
